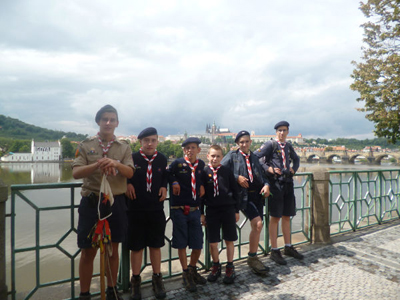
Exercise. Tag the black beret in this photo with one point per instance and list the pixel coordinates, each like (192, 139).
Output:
(147, 132)
(104, 109)
(281, 123)
(191, 140)
(240, 134)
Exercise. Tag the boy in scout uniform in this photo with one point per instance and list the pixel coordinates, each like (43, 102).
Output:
(186, 186)
(254, 187)
(222, 201)
(147, 190)
(102, 154)
(276, 157)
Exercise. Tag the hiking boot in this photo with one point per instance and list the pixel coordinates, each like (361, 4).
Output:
(276, 256)
(188, 281)
(197, 278)
(158, 286)
(136, 294)
(215, 272)
(229, 274)
(85, 297)
(113, 294)
(290, 251)
(257, 266)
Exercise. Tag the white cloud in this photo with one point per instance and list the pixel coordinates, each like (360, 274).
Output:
(178, 65)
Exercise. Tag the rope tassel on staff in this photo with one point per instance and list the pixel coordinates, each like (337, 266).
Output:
(101, 233)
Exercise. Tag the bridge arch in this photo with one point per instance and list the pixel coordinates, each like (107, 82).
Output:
(330, 157)
(378, 158)
(311, 157)
(353, 157)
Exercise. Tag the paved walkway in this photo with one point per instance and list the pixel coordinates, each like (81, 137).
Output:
(357, 265)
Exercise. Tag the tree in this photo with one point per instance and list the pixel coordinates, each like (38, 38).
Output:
(16, 145)
(67, 148)
(25, 149)
(376, 78)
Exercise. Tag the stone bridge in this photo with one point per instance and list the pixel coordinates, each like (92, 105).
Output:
(347, 156)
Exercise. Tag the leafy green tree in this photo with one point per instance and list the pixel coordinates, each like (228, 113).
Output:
(377, 78)
(135, 146)
(16, 145)
(25, 149)
(67, 148)
(178, 152)
(205, 140)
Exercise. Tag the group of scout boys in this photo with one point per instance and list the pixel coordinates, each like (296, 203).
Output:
(210, 195)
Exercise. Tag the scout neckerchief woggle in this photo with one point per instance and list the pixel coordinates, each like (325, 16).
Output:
(193, 168)
(282, 145)
(215, 178)
(247, 157)
(149, 176)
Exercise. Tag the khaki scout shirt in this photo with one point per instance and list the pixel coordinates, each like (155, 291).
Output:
(90, 151)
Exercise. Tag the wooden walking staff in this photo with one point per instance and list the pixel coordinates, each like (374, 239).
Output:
(102, 233)
(102, 239)
(102, 274)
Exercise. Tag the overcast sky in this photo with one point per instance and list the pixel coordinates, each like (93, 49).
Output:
(178, 65)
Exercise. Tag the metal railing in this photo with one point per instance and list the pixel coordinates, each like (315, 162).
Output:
(16, 191)
(301, 225)
(362, 198)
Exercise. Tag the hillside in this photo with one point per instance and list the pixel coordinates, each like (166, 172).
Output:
(16, 129)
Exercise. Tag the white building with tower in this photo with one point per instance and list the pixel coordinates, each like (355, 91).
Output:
(40, 152)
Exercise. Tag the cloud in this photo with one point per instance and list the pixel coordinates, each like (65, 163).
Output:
(178, 65)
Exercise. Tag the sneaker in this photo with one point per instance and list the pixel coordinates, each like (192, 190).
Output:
(158, 286)
(257, 266)
(215, 272)
(197, 278)
(290, 251)
(85, 297)
(276, 256)
(136, 294)
(113, 294)
(229, 275)
(188, 281)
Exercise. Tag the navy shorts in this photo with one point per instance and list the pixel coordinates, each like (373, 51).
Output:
(283, 201)
(88, 218)
(255, 206)
(146, 229)
(217, 217)
(186, 229)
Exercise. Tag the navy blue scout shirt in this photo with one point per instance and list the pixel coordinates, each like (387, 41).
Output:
(179, 171)
(227, 186)
(270, 155)
(146, 200)
(236, 162)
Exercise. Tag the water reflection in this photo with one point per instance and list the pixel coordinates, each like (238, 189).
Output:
(29, 173)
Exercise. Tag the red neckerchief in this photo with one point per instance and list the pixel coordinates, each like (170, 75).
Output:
(215, 178)
(105, 148)
(282, 145)
(193, 168)
(149, 176)
(247, 157)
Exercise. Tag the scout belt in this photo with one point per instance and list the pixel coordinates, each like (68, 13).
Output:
(192, 208)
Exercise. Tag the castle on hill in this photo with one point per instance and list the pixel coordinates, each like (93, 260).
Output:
(213, 132)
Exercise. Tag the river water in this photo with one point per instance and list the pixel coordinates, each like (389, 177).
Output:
(52, 224)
